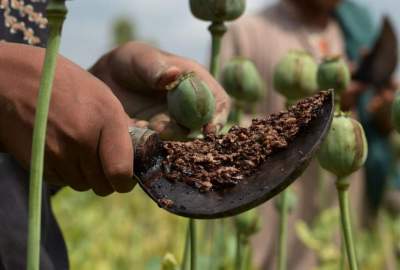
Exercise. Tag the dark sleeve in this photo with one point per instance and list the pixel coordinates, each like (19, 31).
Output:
(23, 22)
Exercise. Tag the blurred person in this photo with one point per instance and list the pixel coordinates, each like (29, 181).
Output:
(322, 28)
(87, 145)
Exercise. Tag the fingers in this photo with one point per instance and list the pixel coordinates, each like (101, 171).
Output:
(116, 155)
(93, 174)
(167, 129)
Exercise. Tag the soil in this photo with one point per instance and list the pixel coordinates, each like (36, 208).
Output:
(221, 161)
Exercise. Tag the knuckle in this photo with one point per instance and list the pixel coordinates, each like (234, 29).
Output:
(102, 192)
(118, 170)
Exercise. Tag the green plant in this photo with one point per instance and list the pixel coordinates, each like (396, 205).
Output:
(169, 262)
(295, 75)
(343, 152)
(242, 81)
(217, 11)
(247, 224)
(190, 102)
(334, 73)
(285, 204)
(244, 84)
(56, 12)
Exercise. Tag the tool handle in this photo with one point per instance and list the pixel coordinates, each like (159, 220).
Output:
(146, 146)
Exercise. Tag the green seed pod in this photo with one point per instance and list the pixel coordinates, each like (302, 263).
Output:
(333, 73)
(242, 80)
(345, 148)
(248, 223)
(217, 10)
(396, 112)
(295, 75)
(190, 102)
(169, 262)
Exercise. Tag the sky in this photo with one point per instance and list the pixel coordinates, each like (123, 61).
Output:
(168, 23)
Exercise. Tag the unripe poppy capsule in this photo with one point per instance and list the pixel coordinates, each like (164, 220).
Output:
(242, 80)
(345, 148)
(217, 10)
(333, 73)
(190, 102)
(295, 75)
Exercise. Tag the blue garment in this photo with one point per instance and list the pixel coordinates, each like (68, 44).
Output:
(380, 168)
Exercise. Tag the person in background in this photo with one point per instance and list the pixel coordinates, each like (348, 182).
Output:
(88, 145)
(321, 28)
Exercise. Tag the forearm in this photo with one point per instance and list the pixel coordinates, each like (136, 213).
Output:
(20, 67)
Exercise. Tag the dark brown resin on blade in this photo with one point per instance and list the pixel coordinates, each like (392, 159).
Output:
(218, 162)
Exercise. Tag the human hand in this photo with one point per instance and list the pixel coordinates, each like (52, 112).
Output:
(380, 107)
(138, 75)
(87, 144)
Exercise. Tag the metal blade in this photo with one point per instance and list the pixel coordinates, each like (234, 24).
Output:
(378, 66)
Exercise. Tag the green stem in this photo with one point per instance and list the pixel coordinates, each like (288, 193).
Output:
(193, 243)
(186, 251)
(236, 114)
(246, 264)
(239, 251)
(218, 245)
(56, 12)
(283, 213)
(217, 30)
(342, 262)
(342, 185)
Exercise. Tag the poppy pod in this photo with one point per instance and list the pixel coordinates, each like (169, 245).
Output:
(295, 75)
(242, 80)
(333, 73)
(217, 10)
(190, 102)
(345, 148)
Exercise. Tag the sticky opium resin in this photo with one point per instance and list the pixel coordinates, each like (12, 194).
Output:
(221, 161)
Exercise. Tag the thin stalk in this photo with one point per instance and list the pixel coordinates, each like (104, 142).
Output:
(246, 264)
(56, 12)
(342, 263)
(218, 245)
(342, 185)
(217, 30)
(193, 243)
(236, 114)
(283, 213)
(186, 251)
(321, 188)
(239, 251)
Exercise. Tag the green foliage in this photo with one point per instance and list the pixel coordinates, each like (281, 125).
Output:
(374, 249)
(169, 262)
(117, 232)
